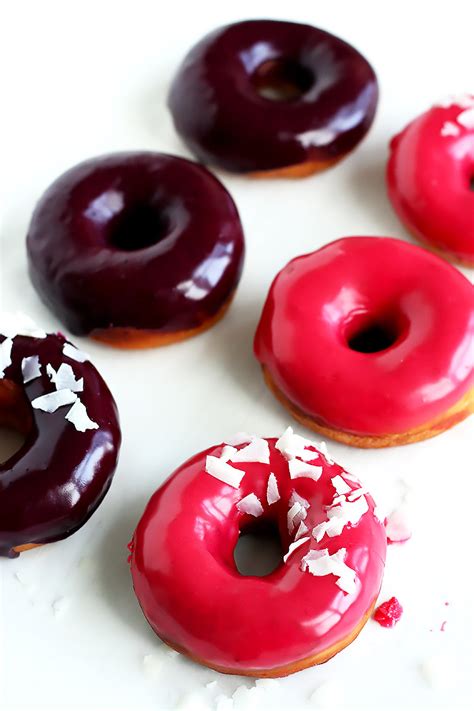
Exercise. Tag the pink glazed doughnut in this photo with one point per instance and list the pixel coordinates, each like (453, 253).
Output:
(369, 341)
(430, 178)
(316, 601)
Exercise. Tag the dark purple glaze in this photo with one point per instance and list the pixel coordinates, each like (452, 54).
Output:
(92, 252)
(225, 121)
(54, 483)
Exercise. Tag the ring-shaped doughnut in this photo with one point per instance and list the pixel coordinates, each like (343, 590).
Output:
(273, 98)
(136, 249)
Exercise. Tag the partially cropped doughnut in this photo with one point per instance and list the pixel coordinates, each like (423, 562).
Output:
(53, 395)
(316, 601)
(136, 249)
(430, 178)
(369, 340)
(273, 98)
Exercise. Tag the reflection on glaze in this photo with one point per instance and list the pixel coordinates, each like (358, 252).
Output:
(225, 121)
(193, 596)
(361, 280)
(54, 483)
(180, 249)
(430, 180)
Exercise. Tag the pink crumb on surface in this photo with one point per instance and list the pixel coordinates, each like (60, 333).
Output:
(388, 613)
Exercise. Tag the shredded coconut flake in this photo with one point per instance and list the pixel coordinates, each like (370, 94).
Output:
(296, 514)
(78, 416)
(74, 353)
(349, 511)
(379, 515)
(320, 563)
(324, 449)
(239, 438)
(224, 472)
(293, 546)
(340, 485)
(303, 469)
(250, 505)
(347, 582)
(256, 451)
(450, 129)
(308, 455)
(302, 530)
(339, 515)
(317, 562)
(356, 493)
(297, 498)
(30, 368)
(319, 531)
(19, 324)
(227, 452)
(351, 477)
(466, 118)
(64, 378)
(273, 495)
(292, 445)
(52, 401)
(5, 355)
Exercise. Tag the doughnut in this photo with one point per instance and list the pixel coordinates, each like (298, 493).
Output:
(272, 99)
(136, 249)
(430, 178)
(369, 341)
(303, 613)
(53, 395)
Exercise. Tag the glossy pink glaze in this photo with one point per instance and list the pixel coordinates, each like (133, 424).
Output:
(193, 596)
(320, 299)
(430, 181)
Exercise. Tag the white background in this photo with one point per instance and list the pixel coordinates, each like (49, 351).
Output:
(87, 78)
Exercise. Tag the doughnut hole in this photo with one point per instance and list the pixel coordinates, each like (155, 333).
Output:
(368, 334)
(15, 419)
(282, 79)
(138, 227)
(259, 549)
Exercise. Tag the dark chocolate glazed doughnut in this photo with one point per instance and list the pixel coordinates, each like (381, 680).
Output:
(264, 95)
(136, 249)
(58, 478)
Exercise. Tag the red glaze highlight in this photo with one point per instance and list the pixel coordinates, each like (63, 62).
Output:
(326, 97)
(320, 301)
(55, 482)
(430, 179)
(195, 599)
(136, 244)
(388, 613)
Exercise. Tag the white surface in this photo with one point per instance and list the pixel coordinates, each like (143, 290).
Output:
(91, 77)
